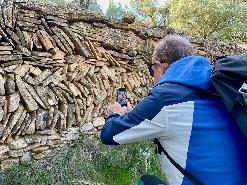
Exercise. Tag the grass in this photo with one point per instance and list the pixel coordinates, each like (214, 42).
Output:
(89, 162)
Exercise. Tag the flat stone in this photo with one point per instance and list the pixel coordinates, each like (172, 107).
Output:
(45, 74)
(1, 113)
(40, 149)
(13, 101)
(2, 82)
(5, 52)
(99, 121)
(25, 123)
(2, 100)
(26, 157)
(99, 63)
(43, 94)
(31, 104)
(45, 40)
(16, 153)
(35, 71)
(74, 89)
(55, 143)
(18, 144)
(19, 123)
(13, 36)
(8, 163)
(42, 155)
(35, 95)
(36, 42)
(10, 68)
(80, 47)
(62, 40)
(85, 128)
(28, 39)
(57, 54)
(10, 84)
(70, 136)
(6, 48)
(31, 128)
(6, 58)
(3, 149)
(21, 37)
(42, 119)
(23, 70)
(35, 138)
(11, 123)
(29, 20)
(23, 50)
(54, 78)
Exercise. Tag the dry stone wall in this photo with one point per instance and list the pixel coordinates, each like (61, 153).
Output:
(60, 68)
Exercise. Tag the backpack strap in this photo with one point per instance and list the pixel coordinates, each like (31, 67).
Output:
(160, 149)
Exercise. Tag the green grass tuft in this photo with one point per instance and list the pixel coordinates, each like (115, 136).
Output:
(89, 162)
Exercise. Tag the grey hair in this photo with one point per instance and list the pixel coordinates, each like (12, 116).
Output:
(172, 48)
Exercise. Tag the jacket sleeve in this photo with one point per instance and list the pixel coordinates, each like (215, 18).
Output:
(145, 121)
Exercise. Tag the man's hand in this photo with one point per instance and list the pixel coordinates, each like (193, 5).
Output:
(116, 108)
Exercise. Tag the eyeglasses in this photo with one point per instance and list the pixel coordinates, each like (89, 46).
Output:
(151, 68)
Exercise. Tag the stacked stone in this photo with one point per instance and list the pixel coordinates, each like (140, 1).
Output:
(55, 82)
(59, 70)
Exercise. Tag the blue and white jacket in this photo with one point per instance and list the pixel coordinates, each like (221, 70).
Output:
(193, 127)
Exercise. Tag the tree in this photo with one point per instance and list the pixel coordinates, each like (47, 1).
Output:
(88, 4)
(116, 11)
(216, 19)
(149, 11)
(59, 2)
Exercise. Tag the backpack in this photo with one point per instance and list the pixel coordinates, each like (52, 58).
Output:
(229, 78)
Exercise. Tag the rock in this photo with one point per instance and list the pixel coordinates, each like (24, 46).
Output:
(80, 46)
(70, 134)
(16, 153)
(3, 149)
(35, 95)
(40, 149)
(1, 113)
(42, 155)
(26, 157)
(11, 123)
(85, 128)
(18, 144)
(35, 71)
(35, 138)
(99, 121)
(2, 82)
(45, 40)
(2, 100)
(42, 119)
(45, 74)
(7, 163)
(30, 103)
(23, 70)
(13, 101)
(6, 48)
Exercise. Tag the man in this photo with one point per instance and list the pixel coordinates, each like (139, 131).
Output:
(192, 125)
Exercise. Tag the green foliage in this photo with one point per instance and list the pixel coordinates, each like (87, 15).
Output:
(115, 10)
(149, 11)
(89, 4)
(216, 19)
(90, 162)
(58, 2)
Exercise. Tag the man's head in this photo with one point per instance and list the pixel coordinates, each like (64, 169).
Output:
(169, 50)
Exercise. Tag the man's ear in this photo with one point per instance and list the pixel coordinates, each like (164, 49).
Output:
(165, 66)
